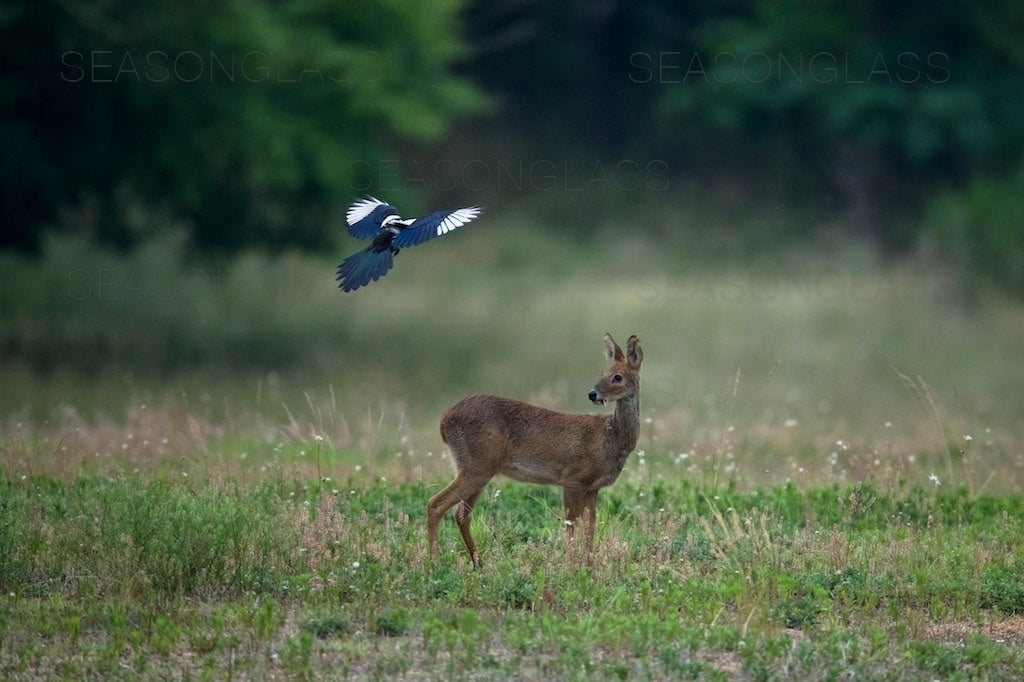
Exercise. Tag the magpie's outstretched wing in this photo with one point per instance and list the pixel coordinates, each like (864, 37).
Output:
(365, 216)
(435, 225)
(364, 267)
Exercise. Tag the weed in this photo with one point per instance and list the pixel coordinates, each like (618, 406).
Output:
(518, 592)
(392, 622)
(1003, 589)
(325, 628)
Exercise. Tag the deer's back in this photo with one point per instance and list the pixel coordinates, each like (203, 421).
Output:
(520, 423)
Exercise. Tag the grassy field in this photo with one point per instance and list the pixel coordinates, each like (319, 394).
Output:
(220, 469)
(118, 577)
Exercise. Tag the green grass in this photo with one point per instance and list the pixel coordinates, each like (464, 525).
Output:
(219, 469)
(111, 576)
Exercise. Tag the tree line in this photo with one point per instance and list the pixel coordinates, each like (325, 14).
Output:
(252, 123)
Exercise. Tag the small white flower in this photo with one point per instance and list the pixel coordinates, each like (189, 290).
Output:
(968, 438)
(319, 438)
(934, 479)
(355, 564)
(790, 423)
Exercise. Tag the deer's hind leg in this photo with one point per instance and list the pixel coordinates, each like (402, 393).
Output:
(463, 515)
(463, 491)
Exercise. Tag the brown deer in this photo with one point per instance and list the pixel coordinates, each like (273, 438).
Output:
(582, 453)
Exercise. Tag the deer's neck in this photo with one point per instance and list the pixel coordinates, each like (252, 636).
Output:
(624, 427)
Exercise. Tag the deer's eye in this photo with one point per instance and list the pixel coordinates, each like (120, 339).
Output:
(617, 378)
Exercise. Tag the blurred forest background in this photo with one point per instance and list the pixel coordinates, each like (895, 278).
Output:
(254, 123)
(175, 175)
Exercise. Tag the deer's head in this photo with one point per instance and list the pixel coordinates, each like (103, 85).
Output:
(622, 380)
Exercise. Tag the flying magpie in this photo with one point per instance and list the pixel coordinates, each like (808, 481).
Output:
(372, 218)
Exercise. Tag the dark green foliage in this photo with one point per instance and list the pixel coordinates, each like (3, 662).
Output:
(847, 581)
(518, 592)
(325, 628)
(980, 226)
(253, 123)
(1003, 588)
(866, 108)
(935, 657)
(799, 611)
(244, 122)
(393, 622)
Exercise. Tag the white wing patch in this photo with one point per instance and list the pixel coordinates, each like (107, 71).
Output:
(361, 209)
(457, 218)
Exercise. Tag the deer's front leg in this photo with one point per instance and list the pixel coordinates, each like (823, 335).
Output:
(580, 508)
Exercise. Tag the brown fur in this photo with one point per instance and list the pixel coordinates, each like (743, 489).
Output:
(582, 453)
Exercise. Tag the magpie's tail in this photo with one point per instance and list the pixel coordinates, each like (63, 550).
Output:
(363, 267)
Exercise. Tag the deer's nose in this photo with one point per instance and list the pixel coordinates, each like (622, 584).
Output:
(593, 394)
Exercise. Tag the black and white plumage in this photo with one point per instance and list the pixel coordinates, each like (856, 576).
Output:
(374, 219)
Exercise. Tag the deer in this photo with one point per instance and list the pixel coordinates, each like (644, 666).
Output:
(490, 435)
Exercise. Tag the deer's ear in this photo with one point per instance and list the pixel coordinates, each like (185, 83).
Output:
(634, 353)
(612, 350)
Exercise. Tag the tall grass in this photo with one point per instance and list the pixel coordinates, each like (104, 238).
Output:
(816, 365)
(131, 538)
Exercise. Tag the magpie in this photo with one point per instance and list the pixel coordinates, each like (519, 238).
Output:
(372, 218)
